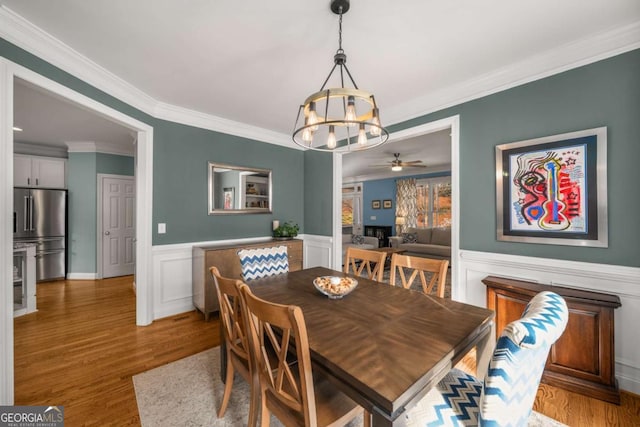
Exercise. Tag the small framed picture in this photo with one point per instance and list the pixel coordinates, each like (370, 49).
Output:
(375, 204)
(386, 204)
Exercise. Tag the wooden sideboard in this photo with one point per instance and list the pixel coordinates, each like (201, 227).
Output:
(582, 360)
(225, 257)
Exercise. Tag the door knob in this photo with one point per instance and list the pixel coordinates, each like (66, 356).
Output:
(106, 233)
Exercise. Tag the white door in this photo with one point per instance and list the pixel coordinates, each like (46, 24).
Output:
(118, 226)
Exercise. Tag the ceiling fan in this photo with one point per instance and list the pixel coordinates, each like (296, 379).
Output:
(397, 164)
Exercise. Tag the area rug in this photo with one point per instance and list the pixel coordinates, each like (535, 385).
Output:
(188, 392)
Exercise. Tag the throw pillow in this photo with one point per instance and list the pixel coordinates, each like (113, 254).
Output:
(357, 239)
(409, 237)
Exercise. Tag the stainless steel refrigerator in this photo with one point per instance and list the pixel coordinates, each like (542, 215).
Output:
(40, 217)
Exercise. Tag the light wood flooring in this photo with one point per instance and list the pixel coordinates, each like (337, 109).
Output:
(82, 347)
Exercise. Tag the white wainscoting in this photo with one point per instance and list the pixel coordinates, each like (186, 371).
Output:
(317, 251)
(172, 274)
(610, 279)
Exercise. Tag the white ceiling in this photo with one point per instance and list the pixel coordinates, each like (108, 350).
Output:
(46, 119)
(254, 62)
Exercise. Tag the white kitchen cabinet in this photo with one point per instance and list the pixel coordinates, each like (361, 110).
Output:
(39, 172)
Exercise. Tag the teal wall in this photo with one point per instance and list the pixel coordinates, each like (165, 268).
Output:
(318, 193)
(180, 161)
(181, 155)
(82, 182)
(605, 93)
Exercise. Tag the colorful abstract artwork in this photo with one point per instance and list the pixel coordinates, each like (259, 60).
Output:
(548, 190)
(553, 189)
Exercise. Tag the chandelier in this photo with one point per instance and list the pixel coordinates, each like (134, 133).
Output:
(339, 119)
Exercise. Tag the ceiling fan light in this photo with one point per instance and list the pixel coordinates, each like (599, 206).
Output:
(396, 168)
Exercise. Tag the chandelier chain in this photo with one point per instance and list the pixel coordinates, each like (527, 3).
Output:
(340, 32)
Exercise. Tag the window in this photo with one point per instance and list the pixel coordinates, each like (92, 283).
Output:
(434, 202)
(352, 208)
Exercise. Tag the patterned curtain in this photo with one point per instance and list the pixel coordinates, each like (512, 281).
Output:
(406, 202)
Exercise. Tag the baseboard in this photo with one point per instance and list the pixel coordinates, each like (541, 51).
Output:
(82, 276)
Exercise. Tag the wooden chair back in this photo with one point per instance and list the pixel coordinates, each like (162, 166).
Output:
(372, 260)
(236, 341)
(419, 266)
(286, 389)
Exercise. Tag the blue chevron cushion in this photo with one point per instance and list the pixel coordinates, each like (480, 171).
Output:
(512, 380)
(263, 262)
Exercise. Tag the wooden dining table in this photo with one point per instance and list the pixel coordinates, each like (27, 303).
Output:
(384, 346)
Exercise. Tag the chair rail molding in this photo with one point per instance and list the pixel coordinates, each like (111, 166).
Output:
(610, 279)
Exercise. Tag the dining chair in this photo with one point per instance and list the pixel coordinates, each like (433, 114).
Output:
(511, 383)
(419, 265)
(236, 341)
(357, 259)
(292, 392)
(263, 262)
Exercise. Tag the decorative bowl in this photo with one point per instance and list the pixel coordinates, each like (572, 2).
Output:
(335, 287)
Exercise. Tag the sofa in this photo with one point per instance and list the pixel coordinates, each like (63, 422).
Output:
(425, 242)
(368, 242)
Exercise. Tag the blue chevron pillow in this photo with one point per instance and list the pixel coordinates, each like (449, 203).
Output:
(263, 262)
(512, 380)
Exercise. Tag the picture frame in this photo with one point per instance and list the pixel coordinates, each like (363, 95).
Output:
(229, 197)
(375, 204)
(553, 190)
(387, 204)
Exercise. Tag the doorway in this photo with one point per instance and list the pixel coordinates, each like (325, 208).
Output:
(116, 226)
(452, 124)
(9, 71)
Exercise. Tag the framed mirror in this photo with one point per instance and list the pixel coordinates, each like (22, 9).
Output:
(239, 190)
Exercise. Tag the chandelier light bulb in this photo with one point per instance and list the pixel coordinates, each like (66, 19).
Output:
(375, 120)
(362, 135)
(307, 135)
(313, 116)
(350, 114)
(331, 140)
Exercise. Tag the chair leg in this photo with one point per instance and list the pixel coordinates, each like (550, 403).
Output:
(228, 384)
(253, 402)
(265, 416)
(367, 419)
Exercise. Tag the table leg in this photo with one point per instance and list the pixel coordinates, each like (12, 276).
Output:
(379, 420)
(484, 351)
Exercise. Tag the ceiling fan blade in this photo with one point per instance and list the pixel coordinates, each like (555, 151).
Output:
(414, 166)
(412, 162)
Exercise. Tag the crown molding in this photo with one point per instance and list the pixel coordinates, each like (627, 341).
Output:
(22, 33)
(562, 58)
(34, 149)
(100, 147)
(207, 121)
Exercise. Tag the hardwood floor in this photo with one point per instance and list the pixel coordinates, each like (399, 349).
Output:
(82, 347)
